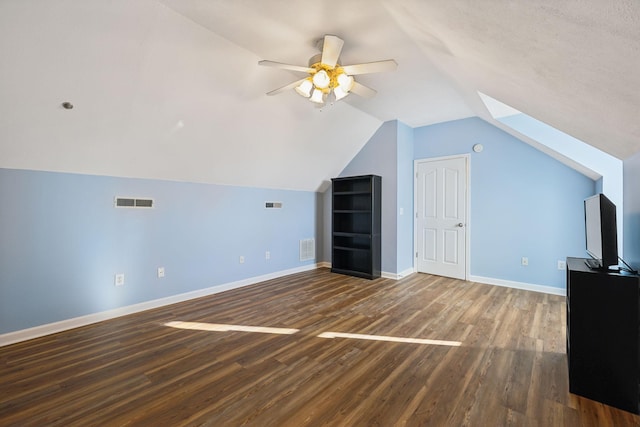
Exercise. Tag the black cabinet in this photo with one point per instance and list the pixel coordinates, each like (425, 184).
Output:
(603, 335)
(356, 222)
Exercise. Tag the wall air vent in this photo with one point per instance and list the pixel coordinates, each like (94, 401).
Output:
(273, 205)
(144, 203)
(130, 202)
(307, 249)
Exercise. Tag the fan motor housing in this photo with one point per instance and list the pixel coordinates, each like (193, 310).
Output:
(315, 59)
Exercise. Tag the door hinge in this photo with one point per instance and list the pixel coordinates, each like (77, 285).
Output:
(416, 254)
(416, 175)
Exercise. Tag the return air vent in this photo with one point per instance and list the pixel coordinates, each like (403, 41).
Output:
(273, 205)
(307, 249)
(130, 202)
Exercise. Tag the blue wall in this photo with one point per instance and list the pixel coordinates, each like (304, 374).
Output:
(378, 157)
(405, 198)
(523, 202)
(62, 241)
(632, 211)
(610, 168)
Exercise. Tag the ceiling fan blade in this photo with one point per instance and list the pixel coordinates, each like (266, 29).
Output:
(362, 90)
(370, 67)
(286, 66)
(286, 87)
(331, 50)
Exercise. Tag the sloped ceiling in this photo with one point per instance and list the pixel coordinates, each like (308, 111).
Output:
(171, 89)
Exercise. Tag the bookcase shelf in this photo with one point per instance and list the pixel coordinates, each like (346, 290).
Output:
(356, 224)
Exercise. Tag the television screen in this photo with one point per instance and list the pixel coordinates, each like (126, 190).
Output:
(601, 231)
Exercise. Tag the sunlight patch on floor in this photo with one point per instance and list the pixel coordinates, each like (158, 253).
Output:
(389, 339)
(220, 327)
(217, 327)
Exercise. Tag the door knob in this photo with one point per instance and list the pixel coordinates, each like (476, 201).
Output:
(459, 224)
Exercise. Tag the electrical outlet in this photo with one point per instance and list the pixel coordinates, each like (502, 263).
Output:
(267, 255)
(160, 272)
(562, 265)
(241, 259)
(525, 260)
(119, 280)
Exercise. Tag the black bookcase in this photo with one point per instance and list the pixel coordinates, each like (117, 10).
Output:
(603, 335)
(356, 219)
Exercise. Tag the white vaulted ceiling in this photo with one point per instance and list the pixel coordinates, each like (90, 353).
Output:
(171, 89)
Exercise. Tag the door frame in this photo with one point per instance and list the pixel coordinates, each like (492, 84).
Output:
(467, 237)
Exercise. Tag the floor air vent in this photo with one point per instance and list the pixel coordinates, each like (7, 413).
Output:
(130, 202)
(307, 249)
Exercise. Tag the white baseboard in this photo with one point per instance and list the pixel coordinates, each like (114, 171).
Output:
(397, 276)
(63, 325)
(406, 272)
(518, 285)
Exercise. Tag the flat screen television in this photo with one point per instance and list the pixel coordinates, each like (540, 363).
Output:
(601, 232)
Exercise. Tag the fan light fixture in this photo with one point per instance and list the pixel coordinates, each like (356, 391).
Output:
(305, 88)
(339, 93)
(317, 96)
(323, 81)
(326, 79)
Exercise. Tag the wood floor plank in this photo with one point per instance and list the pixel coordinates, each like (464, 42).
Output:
(509, 369)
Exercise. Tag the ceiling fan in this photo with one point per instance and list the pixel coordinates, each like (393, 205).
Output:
(328, 80)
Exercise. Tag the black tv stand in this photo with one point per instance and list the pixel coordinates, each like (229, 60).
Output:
(603, 335)
(593, 264)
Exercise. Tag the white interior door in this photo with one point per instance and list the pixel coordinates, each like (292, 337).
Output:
(441, 216)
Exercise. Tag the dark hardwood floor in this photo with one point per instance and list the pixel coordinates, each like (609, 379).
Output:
(509, 368)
